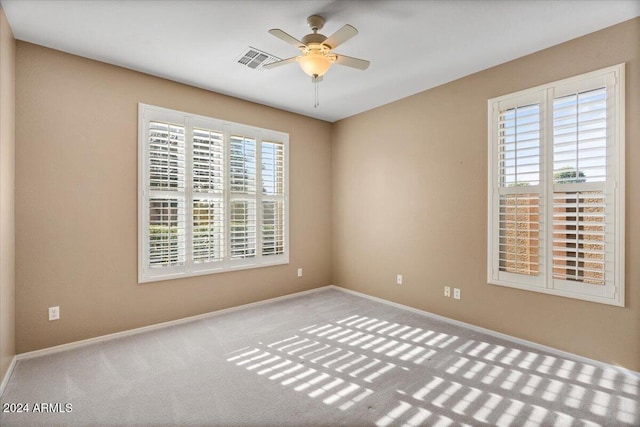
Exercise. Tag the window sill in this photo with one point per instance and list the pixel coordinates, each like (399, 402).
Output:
(227, 267)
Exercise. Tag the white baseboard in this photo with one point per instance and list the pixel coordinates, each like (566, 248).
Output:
(7, 375)
(108, 337)
(82, 343)
(496, 334)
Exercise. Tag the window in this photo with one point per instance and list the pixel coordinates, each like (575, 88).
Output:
(556, 188)
(213, 195)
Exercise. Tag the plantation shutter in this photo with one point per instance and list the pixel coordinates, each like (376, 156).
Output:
(273, 189)
(208, 242)
(582, 220)
(242, 166)
(212, 195)
(579, 236)
(166, 185)
(517, 190)
(556, 183)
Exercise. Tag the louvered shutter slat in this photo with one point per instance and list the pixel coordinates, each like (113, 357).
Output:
(519, 146)
(579, 130)
(208, 227)
(519, 168)
(579, 236)
(272, 228)
(273, 210)
(207, 166)
(519, 233)
(166, 215)
(242, 164)
(208, 230)
(243, 229)
(166, 232)
(580, 156)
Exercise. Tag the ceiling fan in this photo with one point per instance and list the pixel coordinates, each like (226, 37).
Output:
(316, 49)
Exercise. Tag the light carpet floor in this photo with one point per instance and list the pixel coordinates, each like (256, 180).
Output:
(326, 358)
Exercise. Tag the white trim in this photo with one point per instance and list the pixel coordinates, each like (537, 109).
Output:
(7, 375)
(136, 331)
(619, 184)
(612, 292)
(496, 334)
(566, 81)
(147, 113)
(130, 332)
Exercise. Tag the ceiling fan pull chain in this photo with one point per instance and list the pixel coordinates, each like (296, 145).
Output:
(317, 102)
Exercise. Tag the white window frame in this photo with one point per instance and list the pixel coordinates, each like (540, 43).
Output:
(148, 113)
(613, 290)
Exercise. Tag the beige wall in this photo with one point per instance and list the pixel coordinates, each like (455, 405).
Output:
(76, 201)
(381, 193)
(410, 197)
(7, 195)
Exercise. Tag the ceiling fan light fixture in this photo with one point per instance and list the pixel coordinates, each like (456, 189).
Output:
(315, 63)
(317, 51)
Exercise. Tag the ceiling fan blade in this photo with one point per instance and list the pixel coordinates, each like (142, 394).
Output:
(286, 38)
(360, 64)
(279, 63)
(340, 36)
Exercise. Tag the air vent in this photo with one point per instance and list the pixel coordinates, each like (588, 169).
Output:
(256, 59)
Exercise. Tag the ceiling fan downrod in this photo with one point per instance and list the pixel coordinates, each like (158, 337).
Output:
(316, 82)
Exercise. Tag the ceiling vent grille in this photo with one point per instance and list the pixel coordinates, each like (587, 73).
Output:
(256, 59)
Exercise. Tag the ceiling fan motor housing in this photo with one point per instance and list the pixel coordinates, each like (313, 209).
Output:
(313, 38)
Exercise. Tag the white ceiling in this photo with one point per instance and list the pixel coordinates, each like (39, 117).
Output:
(412, 45)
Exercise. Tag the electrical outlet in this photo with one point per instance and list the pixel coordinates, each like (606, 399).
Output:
(300, 272)
(399, 279)
(447, 291)
(456, 293)
(54, 313)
